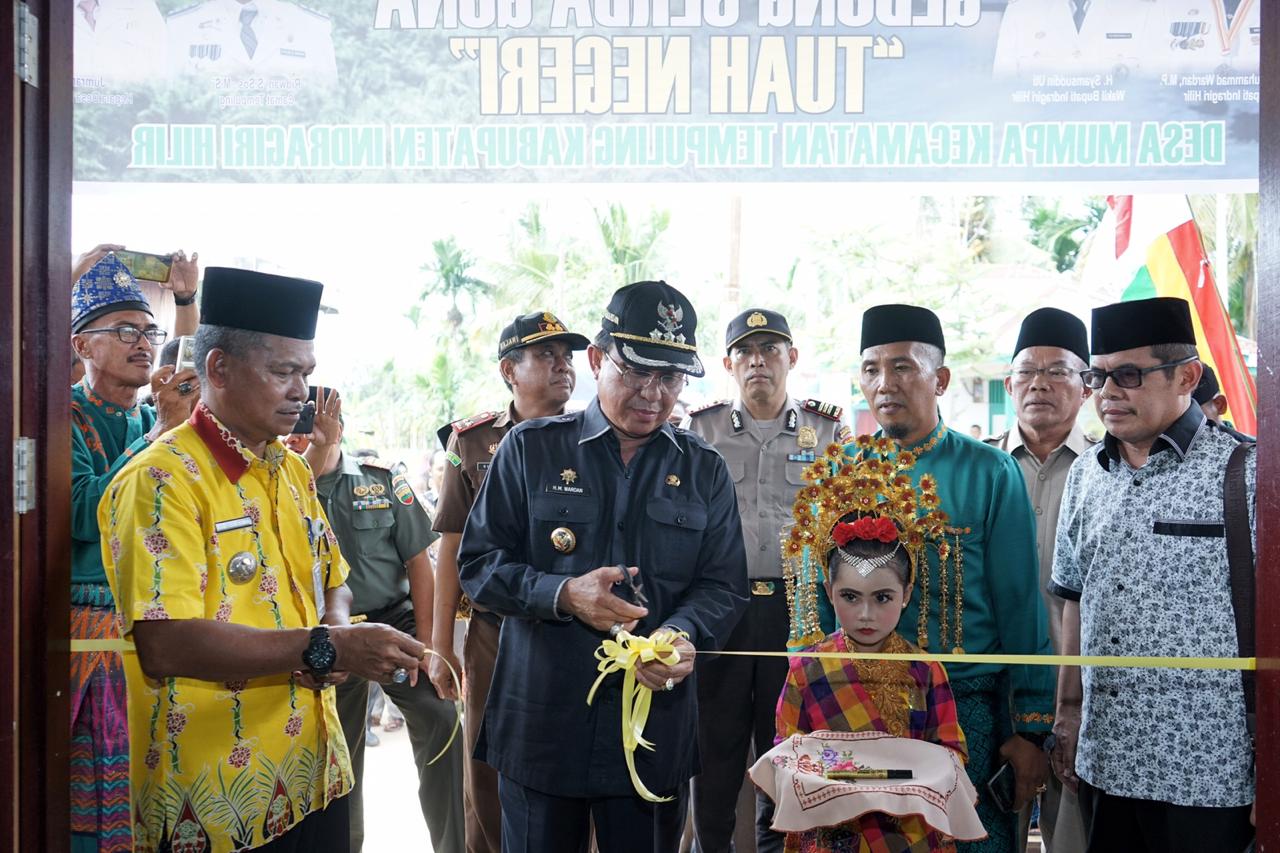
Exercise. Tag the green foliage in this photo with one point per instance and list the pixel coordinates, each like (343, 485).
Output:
(1059, 232)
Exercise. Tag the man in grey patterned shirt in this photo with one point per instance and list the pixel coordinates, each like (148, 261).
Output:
(1162, 757)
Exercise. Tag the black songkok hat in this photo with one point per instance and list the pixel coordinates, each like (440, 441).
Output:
(1053, 327)
(535, 327)
(1208, 387)
(260, 302)
(891, 324)
(1142, 323)
(653, 325)
(753, 321)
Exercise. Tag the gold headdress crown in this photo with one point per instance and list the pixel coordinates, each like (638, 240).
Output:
(867, 478)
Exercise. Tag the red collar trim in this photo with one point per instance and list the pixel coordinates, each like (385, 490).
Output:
(226, 449)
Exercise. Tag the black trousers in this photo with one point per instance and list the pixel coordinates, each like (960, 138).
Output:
(737, 706)
(1115, 824)
(324, 831)
(536, 822)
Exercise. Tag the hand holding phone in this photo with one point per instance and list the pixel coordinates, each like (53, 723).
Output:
(1002, 787)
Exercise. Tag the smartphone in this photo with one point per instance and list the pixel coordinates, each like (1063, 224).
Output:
(1001, 786)
(186, 353)
(146, 266)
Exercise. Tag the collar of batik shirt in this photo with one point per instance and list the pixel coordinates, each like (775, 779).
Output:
(231, 454)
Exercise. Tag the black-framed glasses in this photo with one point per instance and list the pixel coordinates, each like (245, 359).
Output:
(1055, 374)
(131, 334)
(1127, 376)
(639, 380)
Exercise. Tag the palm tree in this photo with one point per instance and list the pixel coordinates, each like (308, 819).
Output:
(631, 248)
(1059, 233)
(452, 279)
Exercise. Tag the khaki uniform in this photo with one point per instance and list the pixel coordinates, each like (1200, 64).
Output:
(470, 444)
(1115, 37)
(1060, 822)
(737, 696)
(380, 526)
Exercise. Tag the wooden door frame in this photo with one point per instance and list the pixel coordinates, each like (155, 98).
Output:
(35, 548)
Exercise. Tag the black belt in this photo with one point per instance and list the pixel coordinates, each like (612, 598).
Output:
(381, 614)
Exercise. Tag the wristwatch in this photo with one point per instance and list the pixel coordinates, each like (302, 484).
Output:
(184, 301)
(320, 655)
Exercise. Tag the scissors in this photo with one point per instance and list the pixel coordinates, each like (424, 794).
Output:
(634, 584)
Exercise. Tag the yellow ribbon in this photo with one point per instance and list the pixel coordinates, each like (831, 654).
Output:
(124, 647)
(625, 652)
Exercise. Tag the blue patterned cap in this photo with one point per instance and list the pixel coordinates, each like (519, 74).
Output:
(107, 287)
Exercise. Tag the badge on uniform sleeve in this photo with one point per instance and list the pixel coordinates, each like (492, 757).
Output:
(454, 459)
(360, 491)
(563, 540)
(807, 437)
(242, 567)
(400, 484)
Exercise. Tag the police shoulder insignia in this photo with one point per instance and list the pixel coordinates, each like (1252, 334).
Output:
(707, 407)
(830, 411)
(400, 484)
(474, 421)
(375, 462)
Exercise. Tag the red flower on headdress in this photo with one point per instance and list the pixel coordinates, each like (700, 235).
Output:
(867, 528)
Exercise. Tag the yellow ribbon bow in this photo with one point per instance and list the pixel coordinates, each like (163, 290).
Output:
(625, 652)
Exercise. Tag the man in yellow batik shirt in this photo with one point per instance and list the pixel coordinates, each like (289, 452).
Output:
(231, 585)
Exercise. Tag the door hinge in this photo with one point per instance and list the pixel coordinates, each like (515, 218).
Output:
(24, 475)
(26, 40)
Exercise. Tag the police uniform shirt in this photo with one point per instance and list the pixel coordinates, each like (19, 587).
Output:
(557, 504)
(120, 41)
(380, 526)
(767, 467)
(469, 451)
(1222, 36)
(261, 37)
(1040, 37)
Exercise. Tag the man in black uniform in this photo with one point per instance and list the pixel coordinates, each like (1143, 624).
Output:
(577, 508)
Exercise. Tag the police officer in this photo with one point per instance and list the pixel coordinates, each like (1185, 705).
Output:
(767, 439)
(384, 532)
(535, 360)
(1080, 36)
(577, 512)
(252, 37)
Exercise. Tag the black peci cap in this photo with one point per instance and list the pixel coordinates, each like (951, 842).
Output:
(1142, 323)
(1053, 327)
(260, 302)
(891, 324)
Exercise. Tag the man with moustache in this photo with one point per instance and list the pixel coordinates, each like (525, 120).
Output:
(230, 583)
(1163, 758)
(1047, 392)
(767, 439)
(589, 524)
(535, 360)
(115, 337)
(982, 597)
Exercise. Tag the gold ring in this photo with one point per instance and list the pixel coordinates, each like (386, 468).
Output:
(423, 655)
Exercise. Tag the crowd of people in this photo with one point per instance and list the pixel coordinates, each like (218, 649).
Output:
(267, 577)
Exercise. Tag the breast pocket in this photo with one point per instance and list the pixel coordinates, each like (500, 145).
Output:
(1194, 528)
(371, 527)
(563, 529)
(677, 530)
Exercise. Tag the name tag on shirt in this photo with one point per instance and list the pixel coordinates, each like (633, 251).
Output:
(558, 489)
(233, 524)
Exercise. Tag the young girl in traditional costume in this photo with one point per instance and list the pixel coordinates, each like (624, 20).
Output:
(861, 527)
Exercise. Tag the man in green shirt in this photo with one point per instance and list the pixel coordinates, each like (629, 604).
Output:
(115, 336)
(983, 597)
(384, 532)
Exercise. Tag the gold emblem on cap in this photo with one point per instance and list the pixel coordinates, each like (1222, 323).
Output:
(563, 540)
(756, 320)
(569, 476)
(808, 437)
(377, 489)
(673, 480)
(361, 491)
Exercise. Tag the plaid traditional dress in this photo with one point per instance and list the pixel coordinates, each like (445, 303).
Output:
(905, 699)
(104, 439)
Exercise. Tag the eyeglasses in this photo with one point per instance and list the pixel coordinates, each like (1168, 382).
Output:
(1126, 377)
(131, 334)
(742, 353)
(639, 380)
(1025, 375)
